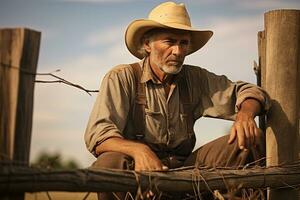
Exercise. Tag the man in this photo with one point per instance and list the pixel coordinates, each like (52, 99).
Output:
(144, 115)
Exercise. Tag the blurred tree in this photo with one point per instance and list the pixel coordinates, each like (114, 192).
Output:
(54, 161)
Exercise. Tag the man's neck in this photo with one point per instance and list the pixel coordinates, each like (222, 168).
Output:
(161, 75)
(164, 78)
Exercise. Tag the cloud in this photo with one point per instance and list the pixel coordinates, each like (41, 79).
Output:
(210, 2)
(268, 4)
(110, 36)
(238, 31)
(232, 48)
(99, 1)
(254, 4)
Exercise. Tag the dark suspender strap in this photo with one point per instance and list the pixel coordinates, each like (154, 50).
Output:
(185, 99)
(139, 103)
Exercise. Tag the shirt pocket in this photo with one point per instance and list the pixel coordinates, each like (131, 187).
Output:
(154, 122)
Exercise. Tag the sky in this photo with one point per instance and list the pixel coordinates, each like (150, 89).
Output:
(85, 39)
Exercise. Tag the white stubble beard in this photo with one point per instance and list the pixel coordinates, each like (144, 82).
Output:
(170, 69)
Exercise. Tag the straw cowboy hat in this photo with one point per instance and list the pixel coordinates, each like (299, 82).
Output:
(166, 15)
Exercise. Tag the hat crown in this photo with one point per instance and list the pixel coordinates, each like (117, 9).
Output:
(170, 13)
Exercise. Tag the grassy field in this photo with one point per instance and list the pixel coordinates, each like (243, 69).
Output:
(60, 196)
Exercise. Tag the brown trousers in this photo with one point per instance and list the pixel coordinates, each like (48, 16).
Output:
(217, 153)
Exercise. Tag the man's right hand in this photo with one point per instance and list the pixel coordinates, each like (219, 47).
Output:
(144, 158)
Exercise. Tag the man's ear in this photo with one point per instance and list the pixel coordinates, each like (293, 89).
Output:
(147, 46)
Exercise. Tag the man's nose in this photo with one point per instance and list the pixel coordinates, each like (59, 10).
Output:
(178, 50)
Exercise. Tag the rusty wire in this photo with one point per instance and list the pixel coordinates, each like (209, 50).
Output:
(50, 74)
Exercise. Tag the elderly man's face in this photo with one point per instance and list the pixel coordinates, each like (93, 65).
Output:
(167, 50)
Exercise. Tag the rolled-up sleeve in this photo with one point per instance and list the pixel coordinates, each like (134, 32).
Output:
(223, 98)
(109, 114)
(246, 91)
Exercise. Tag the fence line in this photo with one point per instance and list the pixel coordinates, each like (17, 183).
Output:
(22, 179)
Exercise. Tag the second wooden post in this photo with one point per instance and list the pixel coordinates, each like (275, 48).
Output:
(282, 31)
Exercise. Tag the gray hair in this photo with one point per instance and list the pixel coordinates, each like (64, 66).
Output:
(148, 35)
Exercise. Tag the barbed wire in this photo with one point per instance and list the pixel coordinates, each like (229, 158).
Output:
(51, 74)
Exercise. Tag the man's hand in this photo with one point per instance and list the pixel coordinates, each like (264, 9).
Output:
(144, 158)
(244, 128)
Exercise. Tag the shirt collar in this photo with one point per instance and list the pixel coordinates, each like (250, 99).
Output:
(148, 73)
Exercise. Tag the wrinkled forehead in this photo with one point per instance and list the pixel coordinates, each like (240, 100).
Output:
(168, 33)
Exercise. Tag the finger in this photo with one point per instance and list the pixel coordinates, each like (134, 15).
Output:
(151, 193)
(147, 166)
(252, 135)
(255, 138)
(258, 133)
(158, 166)
(165, 168)
(247, 136)
(143, 166)
(161, 168)
(232, 135)
(240, 136)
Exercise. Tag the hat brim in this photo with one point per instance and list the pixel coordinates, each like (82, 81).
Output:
(138, 28)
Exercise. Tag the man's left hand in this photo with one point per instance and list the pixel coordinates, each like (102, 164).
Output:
(244, 128)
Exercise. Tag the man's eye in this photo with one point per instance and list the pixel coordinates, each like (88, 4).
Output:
(185, 42)
(168, 42)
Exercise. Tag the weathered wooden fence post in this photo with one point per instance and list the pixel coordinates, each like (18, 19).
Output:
(19, 50)
(279, 50)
